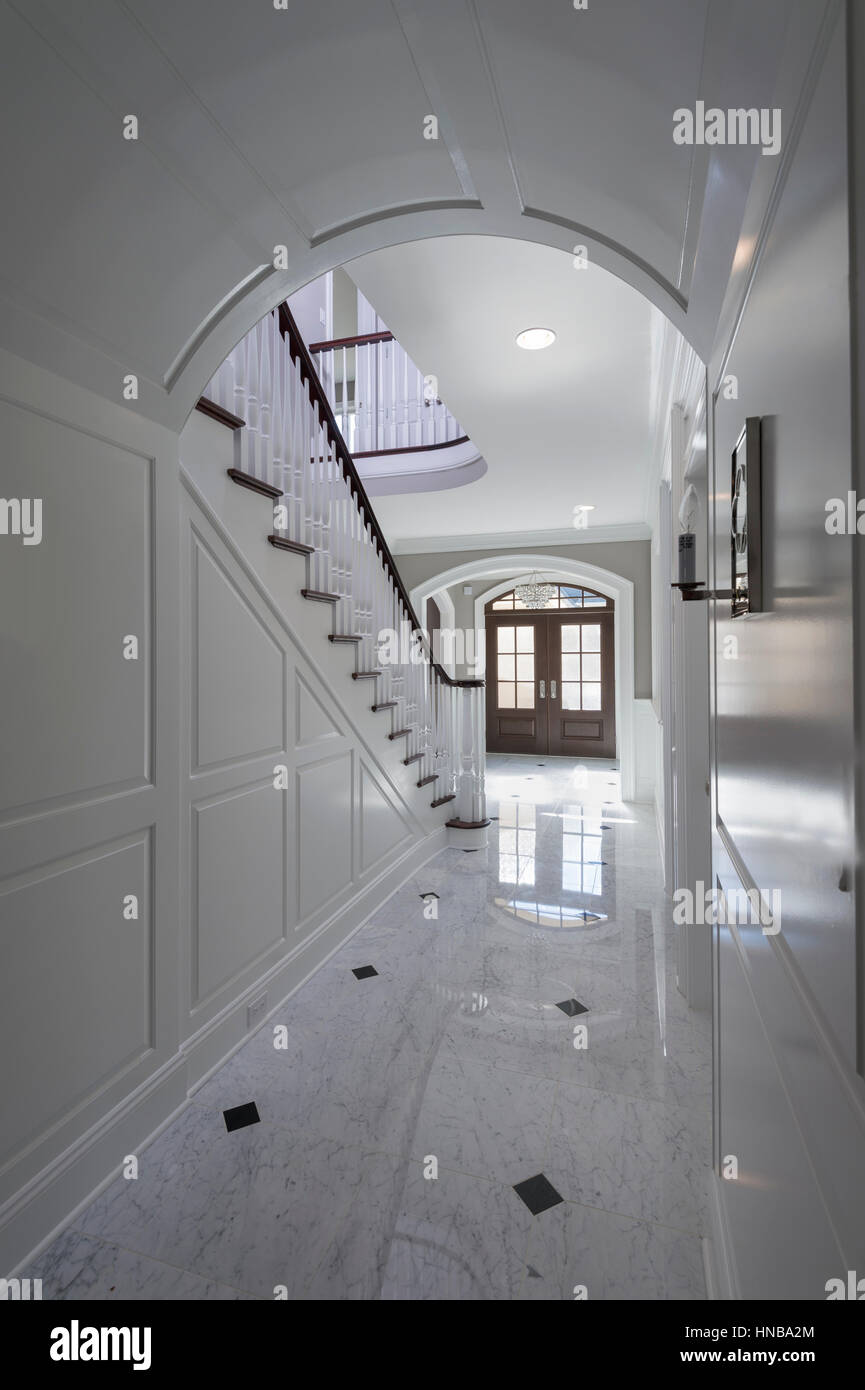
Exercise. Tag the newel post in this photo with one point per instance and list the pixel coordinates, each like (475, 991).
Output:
(468, 827)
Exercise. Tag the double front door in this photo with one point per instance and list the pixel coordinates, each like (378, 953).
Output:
(551, 683)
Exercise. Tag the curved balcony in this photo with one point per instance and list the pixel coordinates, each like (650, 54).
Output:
(400, 433)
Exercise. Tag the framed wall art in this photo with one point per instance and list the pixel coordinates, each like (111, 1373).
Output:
(746, 550)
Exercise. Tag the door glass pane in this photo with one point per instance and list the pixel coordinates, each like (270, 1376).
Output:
(592, 637)
(570, 695)
(507, 698)
(506, 639)
(570, 597)
(570, 666)
(591, 696)
(525, 694)
(571, 637)
(592, 668)
(526, 667)
(525, 639)
(506, 667)
(507, 868)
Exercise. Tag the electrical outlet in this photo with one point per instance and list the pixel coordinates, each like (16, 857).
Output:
(256, 1009)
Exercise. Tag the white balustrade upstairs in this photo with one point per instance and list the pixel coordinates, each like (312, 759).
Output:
(291, 442)
(381, 401)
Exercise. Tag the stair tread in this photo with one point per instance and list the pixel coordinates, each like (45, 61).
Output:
(413, 758)
(282, 543)
(320, 596)
(343, 637)
(424, 781)
(441, 800)
(254, 484)
(400, 733)
(388, 704)
(364, 675)
(219, 413)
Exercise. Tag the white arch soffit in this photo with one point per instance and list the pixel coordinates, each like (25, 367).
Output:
(555, 569)
(265, 287)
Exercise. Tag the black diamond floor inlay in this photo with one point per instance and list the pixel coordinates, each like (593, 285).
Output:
(572, 1007)
(363, 972)
(423, 896)
(538, 1194)
(241, 1116)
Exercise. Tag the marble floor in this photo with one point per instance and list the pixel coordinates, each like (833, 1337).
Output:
(402, 1115)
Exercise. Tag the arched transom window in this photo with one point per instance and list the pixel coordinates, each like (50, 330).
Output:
(564, 596)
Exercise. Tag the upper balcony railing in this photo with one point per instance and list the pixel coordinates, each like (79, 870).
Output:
(382, 402)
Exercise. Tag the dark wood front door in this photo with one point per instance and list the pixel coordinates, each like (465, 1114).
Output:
(551, 683)
(581, 703)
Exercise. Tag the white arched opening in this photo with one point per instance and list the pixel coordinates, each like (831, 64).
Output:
(515, 566)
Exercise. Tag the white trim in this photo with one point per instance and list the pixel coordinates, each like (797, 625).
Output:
(719, 1261)
(556, 567)
(500, 540)
(449, 619)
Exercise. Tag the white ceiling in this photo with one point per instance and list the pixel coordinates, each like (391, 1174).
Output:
(566, 425)
(304, 128)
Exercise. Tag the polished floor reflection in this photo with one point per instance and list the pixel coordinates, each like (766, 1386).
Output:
(401, 1126)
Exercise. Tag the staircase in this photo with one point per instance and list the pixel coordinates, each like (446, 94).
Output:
(290, 451)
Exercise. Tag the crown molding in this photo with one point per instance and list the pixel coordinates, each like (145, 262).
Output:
(519, 540)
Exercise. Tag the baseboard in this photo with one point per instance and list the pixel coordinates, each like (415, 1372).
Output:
(719, 1263)
(37, 1214)
(659, 826)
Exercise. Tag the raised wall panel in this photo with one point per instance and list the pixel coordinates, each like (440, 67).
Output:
(78, 988)
(314, 724)
(758, 1128)
(238, 881)
(77, 595)
(238, 695)
(784, 707)
(324, 831)
(382, 827)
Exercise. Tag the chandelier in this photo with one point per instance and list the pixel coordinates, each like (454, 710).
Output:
(534, 594)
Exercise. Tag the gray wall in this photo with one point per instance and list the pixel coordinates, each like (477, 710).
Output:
(790, 1102)
(631, 559)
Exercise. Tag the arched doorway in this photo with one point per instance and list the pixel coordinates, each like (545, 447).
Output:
(502, 571)
(551, 674)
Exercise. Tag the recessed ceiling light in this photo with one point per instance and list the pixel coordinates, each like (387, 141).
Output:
(534, 338)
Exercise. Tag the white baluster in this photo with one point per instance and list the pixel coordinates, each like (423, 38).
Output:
(253, 370)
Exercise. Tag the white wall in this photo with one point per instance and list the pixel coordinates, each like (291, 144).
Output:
(153, 779)
(790, 1104)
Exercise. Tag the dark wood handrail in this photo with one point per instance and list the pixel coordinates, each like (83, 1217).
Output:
(331, 344)
(412, 448)
(300, 352)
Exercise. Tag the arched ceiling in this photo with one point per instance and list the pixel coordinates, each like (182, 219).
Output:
(304, 127)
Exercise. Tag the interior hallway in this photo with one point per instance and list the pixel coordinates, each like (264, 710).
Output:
(455, 1049)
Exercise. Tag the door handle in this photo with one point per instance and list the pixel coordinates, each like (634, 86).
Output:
(543, 690)
(552, 690)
